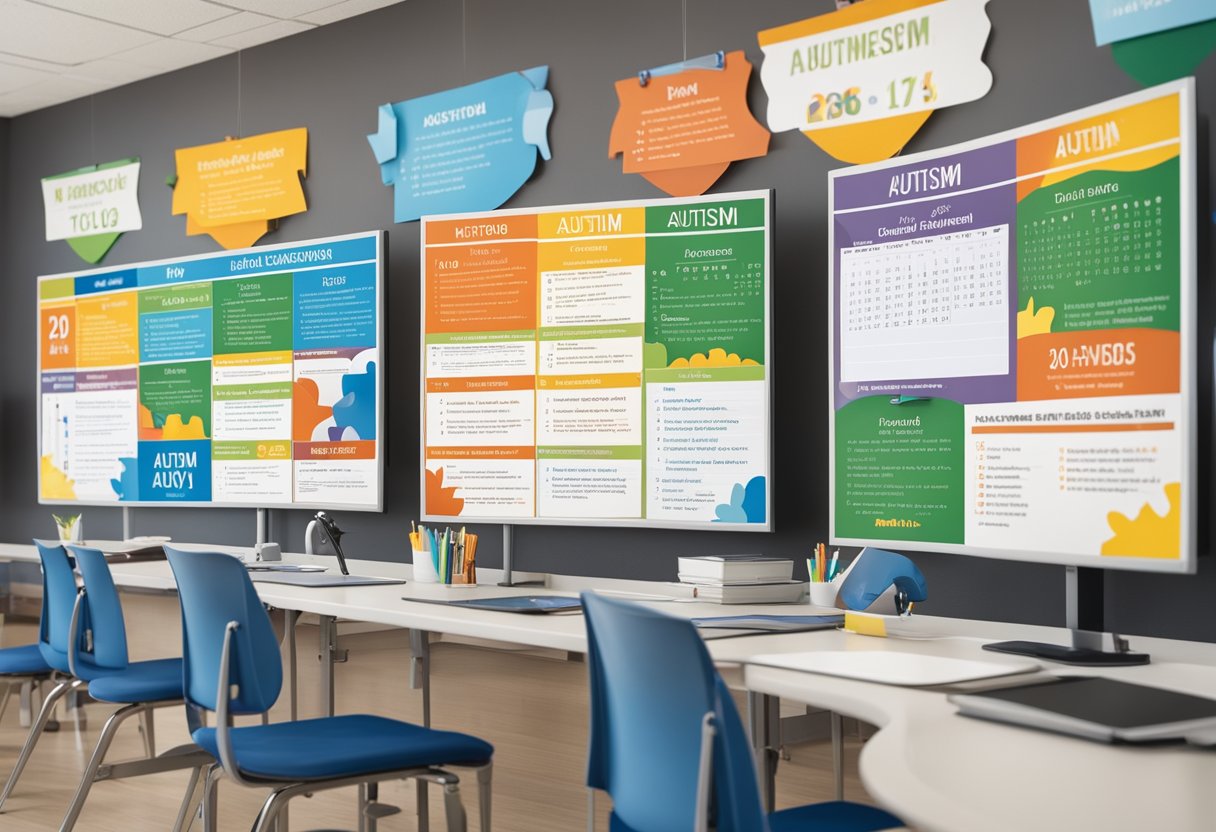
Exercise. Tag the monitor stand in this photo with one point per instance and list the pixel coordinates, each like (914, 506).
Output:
(1091, 646)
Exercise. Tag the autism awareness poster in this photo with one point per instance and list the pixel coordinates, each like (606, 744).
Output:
(605, 363)
(1013, 340)
(682, 131)
(233, 190)
(465, 149)
(91, 207)
(247, 379)
(861, 81)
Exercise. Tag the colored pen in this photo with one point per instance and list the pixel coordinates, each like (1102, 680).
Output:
(834, 565)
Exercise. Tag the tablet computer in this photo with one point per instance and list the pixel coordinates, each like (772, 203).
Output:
(1095, 708)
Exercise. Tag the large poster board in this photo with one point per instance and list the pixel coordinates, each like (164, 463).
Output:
(606, 363)
(1013, 342)
(248, 378)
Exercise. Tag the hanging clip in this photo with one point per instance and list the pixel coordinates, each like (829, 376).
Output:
(717, 60)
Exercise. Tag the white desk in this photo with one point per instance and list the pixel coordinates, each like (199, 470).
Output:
(941, 772)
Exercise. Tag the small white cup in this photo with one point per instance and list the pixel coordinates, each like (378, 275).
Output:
(823, 594)
(424, 568)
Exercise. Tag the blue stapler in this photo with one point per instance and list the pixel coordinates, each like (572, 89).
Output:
(874, 572)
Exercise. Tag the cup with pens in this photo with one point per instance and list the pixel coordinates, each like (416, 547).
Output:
(444, 557)
(824, 574)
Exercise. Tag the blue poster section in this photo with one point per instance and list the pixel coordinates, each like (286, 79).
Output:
(465, 149)
(1116, 20)
(175, 470)
(335, 307)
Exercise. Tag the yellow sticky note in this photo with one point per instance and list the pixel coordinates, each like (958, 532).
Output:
(865, 625)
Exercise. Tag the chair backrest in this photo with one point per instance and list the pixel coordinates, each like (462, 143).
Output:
(104, 610)
(58, 599)
(214, 590)
(652, 683)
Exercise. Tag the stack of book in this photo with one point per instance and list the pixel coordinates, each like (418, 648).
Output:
(741, 579)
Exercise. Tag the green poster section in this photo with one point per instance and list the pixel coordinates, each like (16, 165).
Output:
(1104, 260)
(705, 284)
(899, 470)
(182, 389)
(175, 298)
(253, 315)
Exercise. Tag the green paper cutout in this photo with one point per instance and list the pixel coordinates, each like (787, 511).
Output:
(93, 247)
(1166, 56)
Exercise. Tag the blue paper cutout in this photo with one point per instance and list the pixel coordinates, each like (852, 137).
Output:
(747, 503)
(355, 412)
(465, 149)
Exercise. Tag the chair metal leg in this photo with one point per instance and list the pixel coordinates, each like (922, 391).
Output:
(90, 771)
(485, 775)
(361, 806)
(31, 739)
(147, 727)
(590, 810)
(26, 704)
(266, 818)
(8, 692)
(185, 814)
(421, 801)
(210, 804)
(454, 808)
(838, 753)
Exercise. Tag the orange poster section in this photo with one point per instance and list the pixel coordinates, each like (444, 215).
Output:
(1088, 363)
(57, 330)
(682, 131)
(480, 276)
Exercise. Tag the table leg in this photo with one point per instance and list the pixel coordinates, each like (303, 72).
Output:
(327, 630)
(763, 713)
(290, 617)
(420, 670)
(838, 753)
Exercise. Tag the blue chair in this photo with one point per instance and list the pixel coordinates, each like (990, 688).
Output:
(23, 670)
(92, 650)
(233, 668)
(666, 739)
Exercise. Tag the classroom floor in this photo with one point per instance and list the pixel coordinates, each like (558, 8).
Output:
(531, 707)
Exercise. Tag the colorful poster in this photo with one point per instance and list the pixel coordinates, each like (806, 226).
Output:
(465, 149)
(92, 206)
(1013, 331)
(248, 379)
(682, 130)
(1116, 20)
(232, 190)
(860, 81)
(601, 363)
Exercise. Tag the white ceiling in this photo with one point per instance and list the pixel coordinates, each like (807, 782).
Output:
(57, 50)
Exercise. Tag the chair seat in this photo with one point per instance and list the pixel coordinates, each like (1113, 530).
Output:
(833, 816)
(26, 660)
(155, 681)
(341, 746)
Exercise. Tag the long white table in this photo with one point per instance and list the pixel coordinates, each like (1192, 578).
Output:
(937, 770)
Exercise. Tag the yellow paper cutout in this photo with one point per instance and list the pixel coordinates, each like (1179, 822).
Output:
(717, 358)
(871, 141)
(1033, 321)
(55, 484)
(1150, 535)
(233, 189)
(174, 429)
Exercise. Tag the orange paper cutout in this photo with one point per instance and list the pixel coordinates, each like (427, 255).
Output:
(233, 189)
(682, 131)
(441, 500)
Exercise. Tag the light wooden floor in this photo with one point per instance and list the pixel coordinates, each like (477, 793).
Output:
(533, 710)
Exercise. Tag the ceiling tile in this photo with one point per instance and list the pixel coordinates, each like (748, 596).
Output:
(285, 9)
(30, 63)
(164, 17)
(167, 53)
(113, 73)
(17, 77)
(47, 34)
(231, 25)
(263, 34)
(341, 11)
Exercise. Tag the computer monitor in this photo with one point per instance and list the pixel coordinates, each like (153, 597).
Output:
(1013, 342)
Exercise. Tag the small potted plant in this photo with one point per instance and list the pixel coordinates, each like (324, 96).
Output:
(70, 527)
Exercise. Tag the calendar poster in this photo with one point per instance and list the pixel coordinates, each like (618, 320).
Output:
(1013, 336)
(603, 364)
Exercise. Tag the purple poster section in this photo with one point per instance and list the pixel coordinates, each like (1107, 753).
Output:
(946, 195)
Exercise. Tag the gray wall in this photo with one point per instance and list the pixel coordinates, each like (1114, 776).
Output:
(331, 80)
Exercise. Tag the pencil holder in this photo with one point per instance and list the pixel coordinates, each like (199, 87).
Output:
(823, 594)
(424, 568)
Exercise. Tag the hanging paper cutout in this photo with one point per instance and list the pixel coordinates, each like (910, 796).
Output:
(465, 149)
(1166, 56)
(681, 130)
(859, 82)
(1118, 20)
(233, 190)
(92, 206)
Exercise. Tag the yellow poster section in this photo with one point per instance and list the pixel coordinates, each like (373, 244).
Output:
(107, 330)
(232, 190)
